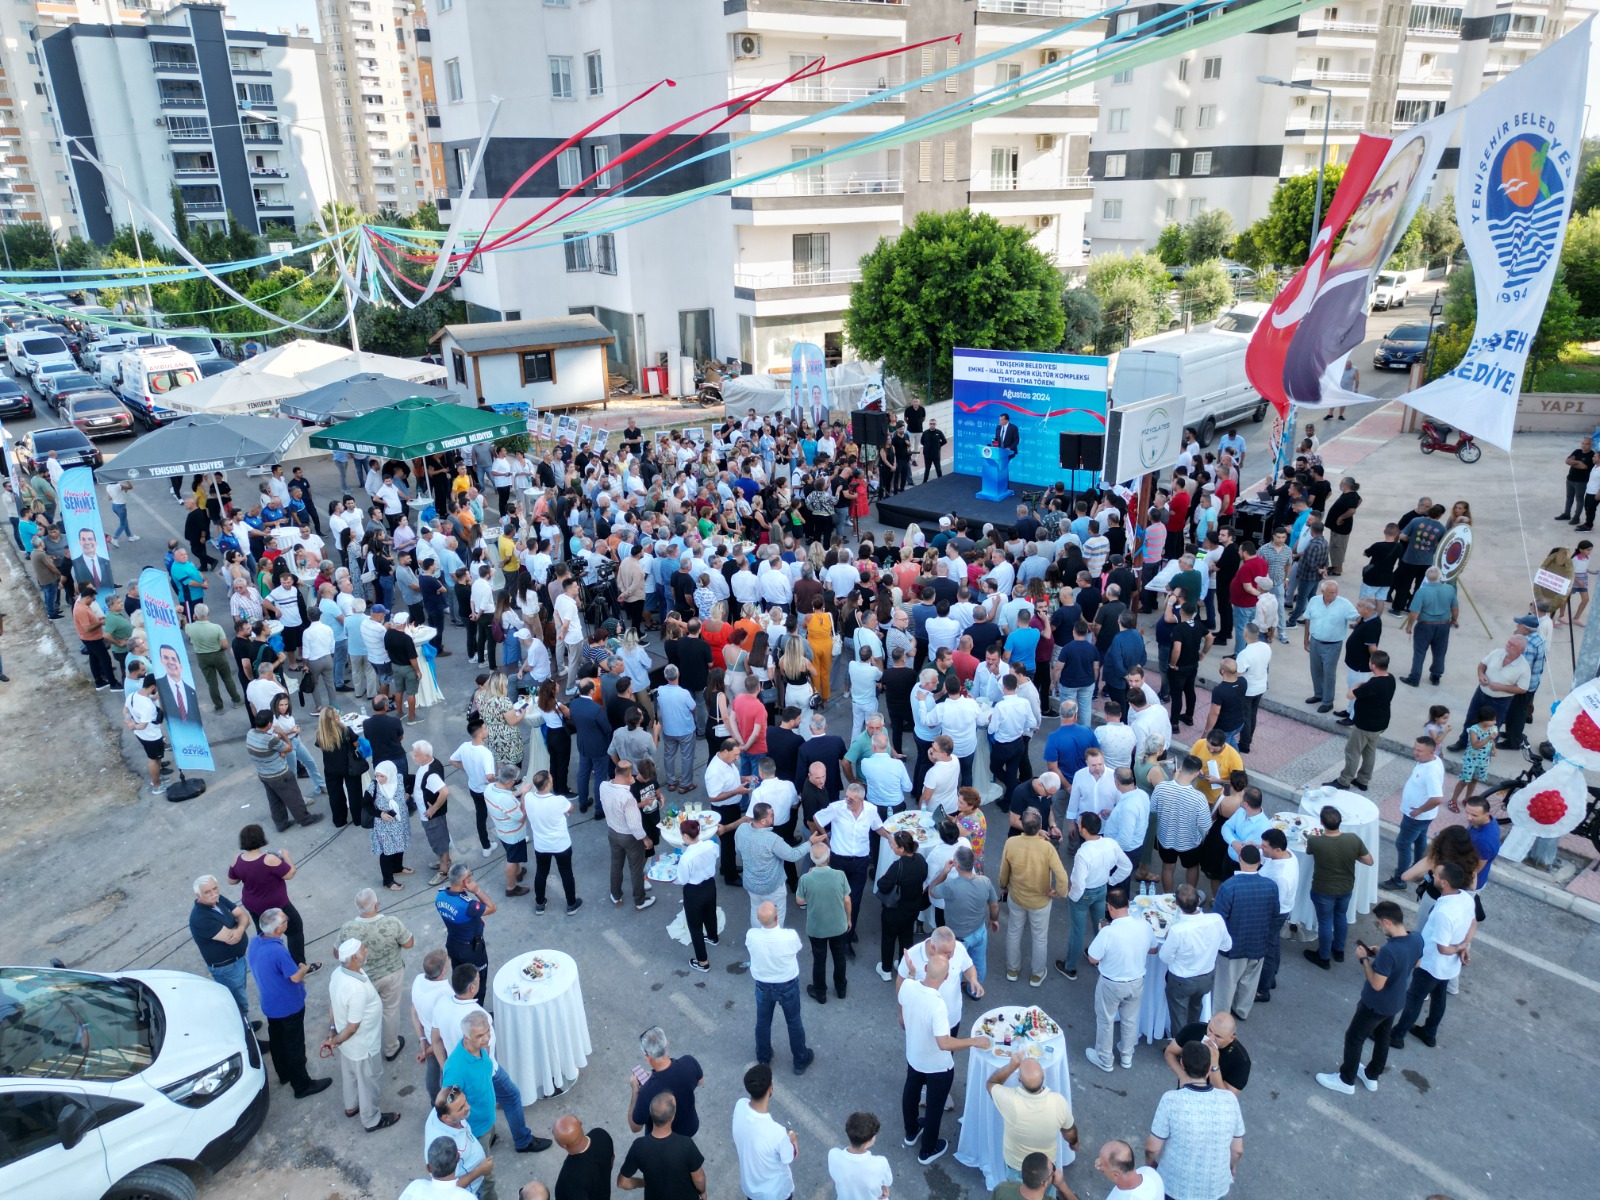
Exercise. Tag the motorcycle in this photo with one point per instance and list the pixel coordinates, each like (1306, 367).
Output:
(1437, 437)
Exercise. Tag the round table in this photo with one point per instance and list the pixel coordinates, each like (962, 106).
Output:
(700, 812)
(541, 1030)
(416, 507)
(982, 1132)
(286, 537)
(1359, 816)
(924, 847)
(1155, 1021)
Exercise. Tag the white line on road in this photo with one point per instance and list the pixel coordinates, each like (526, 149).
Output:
(686, 1006)
(1533, 960)
(814, 1125)
(628, 954)
(1459, 1188)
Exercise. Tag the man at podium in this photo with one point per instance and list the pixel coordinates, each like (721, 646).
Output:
(997, 461)
(1006, 436)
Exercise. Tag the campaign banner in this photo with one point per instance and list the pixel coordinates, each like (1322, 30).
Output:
(808, 385)
(85, 534)
(1044, 395)
(1520, 143)
(180, 701)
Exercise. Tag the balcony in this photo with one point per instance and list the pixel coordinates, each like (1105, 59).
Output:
(850, 18)
(1013, 189)
(183, 102)
(802, 184)
(174, 66)
(267, 173)
(1306, 127)
(274, 206)
(822, 277)
(188, 129)
(262, 137)
(195, 172)
(1038, 8)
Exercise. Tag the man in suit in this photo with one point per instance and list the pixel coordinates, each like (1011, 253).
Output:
(594, 742)
(90, 566)
(179, 700)
(1006, 435)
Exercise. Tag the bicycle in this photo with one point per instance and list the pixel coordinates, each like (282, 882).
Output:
(1500, 797)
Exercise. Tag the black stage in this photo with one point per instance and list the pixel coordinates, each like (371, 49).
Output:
(947, 494)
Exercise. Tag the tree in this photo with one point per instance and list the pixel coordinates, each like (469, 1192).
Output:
(1408, 250)
(952, 279)
(393, 218)
(30, 247)
(1461, 298)
(1247, 247)
(180, 216)
(1560, 326)
(1129, 312)
(1205, 290)
(336, 214)
(427, 217)
(1082, 311)
(1580, 263)
(1586, 196)
(1208, 235)
(1285, 234)
(1144, 269)
(1170, 246)
(1441, 236)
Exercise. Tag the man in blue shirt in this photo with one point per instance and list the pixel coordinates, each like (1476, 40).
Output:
(676, 708)
(462, 906)
(1383, 996)
(1327, 619)
(1485, 835)
(1247, 824)
(1064, 749)
(1079, 662)
(281, 982)
(1127, 650)
(1248, 903)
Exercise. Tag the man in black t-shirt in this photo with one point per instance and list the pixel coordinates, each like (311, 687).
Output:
(591, 1155)
(1227, 712)
(1230, 1061)
(1579, 463)
(1358, 647)
(1190, 643)
(1370, 704)
(1377, 577)
(677, 1076)
(668, 1165)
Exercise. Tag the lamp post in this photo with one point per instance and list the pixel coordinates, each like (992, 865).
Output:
(133, 217)
(345, 282)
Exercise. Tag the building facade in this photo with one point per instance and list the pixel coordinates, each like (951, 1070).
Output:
(183, 100)
(1199, 131)
(748, 274)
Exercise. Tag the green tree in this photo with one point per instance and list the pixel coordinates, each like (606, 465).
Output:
(1247, 247)
(1208, 235)
(1460, 298)
(29, 246)
(1205, 290)
(1170, 246)
(1440, 233)
(427, 217)
(1285, 236)
(1081, 308)
(1560, 326)
(1586, 196)
(1129, 311)
(180, 216)
(338, 214)
(1448, 348)
(242, 244)
(952, 279)
(1580, 263)
(1146, 270)
(393, 218)
(1408, 250)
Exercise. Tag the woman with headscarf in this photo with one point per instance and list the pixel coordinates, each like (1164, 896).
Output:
(391, 825)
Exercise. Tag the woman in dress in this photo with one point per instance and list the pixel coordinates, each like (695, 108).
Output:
(342, 766)
(552, 713)
(262, 876)
(501, 717)
(735, 661)
(974, 826)
(391, 825)
(1215, 861)
(760, 666)
(796, 674)
(819, 632)
(719, 723)
(903, 883)
(286, 727)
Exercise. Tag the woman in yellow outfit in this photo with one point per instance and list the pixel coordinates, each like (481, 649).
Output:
(819, 632)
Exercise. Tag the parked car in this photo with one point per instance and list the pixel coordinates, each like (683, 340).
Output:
(14, 399)
(214, 366)
(97, 413)
(46, 374)
(1242, 319)
(55, 385)
(1389, 290)
(32, 350)
(1404, 345)
(1238, 272)
(72, 449)
(116, 1086)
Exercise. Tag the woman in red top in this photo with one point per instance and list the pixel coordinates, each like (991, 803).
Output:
(858, 502)
(262, 877)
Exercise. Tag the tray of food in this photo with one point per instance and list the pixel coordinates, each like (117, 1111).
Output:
(538, 968)
(1022, 1028)
(1294, 826)
(663, 868)
(1167, 904)
(914, 822)
(674, 817)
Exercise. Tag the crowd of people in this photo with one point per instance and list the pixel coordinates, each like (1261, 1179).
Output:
(1034, 689)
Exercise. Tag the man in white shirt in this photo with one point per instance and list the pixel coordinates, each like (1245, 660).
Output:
(850, 823)
(1148, 719)
(1446, 948)
(857, 1173)
(944, 944)
(1129, 822)
(1190, 954)
(1117, 740)
(1094, 788)
(357, 1034)
(942, 780)
(1254, 662)
(1419, 805)
(1011, 723)
(775, 968)
(930, 1063)
(843, 577)
(429, 988)
(1116, 1162)
(764, 1147)
(551, 841)
(569, 633)
(476, 761)
(959, 716)
(448, 1173)
(1121, 951)
(1099, 863)
(1283, 868)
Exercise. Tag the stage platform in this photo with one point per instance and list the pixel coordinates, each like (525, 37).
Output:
(942, 496)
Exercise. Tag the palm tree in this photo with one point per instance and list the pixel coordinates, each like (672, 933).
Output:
(338, 214)
(392, 218)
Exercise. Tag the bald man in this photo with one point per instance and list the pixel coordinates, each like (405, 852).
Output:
(1230, 1061)
(586, 1171)
(930, 1058)
(1128, 1182)
(1034, 1117)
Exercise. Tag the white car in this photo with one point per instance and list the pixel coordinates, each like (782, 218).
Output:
(1242, 319)
(132, 1086)
(1389, 290)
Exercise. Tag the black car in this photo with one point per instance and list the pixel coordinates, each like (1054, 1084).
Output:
(72, 448)
(1404, 345)
(14, 401)
(214, 366)
(57, 386)
(97, 413)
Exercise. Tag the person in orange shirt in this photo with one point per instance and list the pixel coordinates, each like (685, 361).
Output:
(90, 623)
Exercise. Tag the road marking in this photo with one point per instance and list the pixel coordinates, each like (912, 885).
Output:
(1451, 1183)
(814, 1125)
(1533, 960)
(686, 1006)
(629, 955)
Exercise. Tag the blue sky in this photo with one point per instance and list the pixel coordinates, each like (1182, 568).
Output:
(270, 14)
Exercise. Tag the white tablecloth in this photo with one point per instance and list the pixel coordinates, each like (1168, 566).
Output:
(925, 847)
(428, 690)
(1360, 817)
(1155, 1023)
(541, 1040)
(982, 1132)
(416, 507)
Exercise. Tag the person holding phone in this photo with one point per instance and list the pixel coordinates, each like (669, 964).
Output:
(1386, 969)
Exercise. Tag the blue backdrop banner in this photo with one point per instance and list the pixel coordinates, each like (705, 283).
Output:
(1045, 395)
(86, 539)
(808, 385)
(180, 700)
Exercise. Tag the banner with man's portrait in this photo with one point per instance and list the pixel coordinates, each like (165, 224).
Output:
(175, 689)
(85, 534)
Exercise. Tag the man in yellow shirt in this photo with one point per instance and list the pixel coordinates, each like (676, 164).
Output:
(1031, 875)
(1033, 1116)
(1218, 762)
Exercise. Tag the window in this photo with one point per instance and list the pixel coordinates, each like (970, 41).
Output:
(1172, 208)
(605, 253)
(1006, 73)
(38, 89)
(569, 168)
(952, 61)
(1202, 163)
(1196, 207)
(452, 80)
(594, 73)
(1125, 22)
(1003, 168)
(577, 248)
(1111, 210)
(1207, 117)
(538, 366)
(1117, 120)
(446, 6)
(1213, 68)
(1324, 65)
(1177, 118)
(924, 162)
(927, 67)
(1175, 163)
(812, 257)
(949, 160)
(695, 337)
(254, 93)
(463, 165)
(601, 156)
(1116, 166)
(561, 77)
(1122, 77)
(552, 4)
(1183, 69)
(458, 364)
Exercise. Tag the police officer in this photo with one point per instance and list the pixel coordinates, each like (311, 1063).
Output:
(462, 906)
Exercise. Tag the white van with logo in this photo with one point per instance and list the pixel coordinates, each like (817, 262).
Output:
(136, 1084)
(1206, 369)
(146, 374)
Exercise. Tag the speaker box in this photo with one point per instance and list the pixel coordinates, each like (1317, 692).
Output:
(869, 428)
(1082, 451)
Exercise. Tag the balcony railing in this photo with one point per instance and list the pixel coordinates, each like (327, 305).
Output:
(188, 172)
(827, 185)
(823, 93)
(183, 102)
(1333, 76)
(269, 172)
(1341, 27)
(983, 182)
(794, 278)
(1524, 35)
(1038, 8)
(1308, 126)
(1437, 79)
(176, 65)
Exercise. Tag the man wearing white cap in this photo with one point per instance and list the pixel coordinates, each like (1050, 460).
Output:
(358, 1035)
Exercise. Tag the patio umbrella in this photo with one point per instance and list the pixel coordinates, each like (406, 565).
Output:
(355, 397)
(204, 443)
(417, 427)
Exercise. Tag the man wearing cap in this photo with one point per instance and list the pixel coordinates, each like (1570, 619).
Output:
(357, 1034)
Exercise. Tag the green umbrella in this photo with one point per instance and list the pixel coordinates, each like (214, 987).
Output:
(417, 427)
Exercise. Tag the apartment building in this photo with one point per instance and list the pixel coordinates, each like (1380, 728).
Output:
(233, 117)
(751, 273)
(1199, 131)
(380, 104)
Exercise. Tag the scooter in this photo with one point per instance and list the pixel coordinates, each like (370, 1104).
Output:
(1437, 437)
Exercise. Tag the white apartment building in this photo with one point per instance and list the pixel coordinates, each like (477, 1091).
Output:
(1198, 131)
(375, 95)
(751, 273)
(234, 118)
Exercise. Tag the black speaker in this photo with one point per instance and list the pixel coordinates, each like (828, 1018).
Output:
(869, 428)
(1082, 451)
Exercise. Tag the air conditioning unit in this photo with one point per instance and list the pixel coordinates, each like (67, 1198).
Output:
(1049, 57)
(746, 45)
(1043, 222)
(1045, 141)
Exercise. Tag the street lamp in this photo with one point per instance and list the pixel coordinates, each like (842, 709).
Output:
(345, 282)
(133, 217)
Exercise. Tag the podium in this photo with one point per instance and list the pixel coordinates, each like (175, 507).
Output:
(996, 474)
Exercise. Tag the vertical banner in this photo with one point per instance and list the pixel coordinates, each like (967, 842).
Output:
(1520, 143)
(174, 680)
(86, 539)
(1045, 396)
(808, 385)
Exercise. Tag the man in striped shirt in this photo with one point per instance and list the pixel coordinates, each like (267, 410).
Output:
(1182, 818)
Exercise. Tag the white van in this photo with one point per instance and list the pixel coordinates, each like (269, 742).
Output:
(146, 373)
(138, 1084)
(1206, 369)
(33, 350)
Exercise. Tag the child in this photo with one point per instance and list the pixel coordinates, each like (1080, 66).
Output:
(1580, 584)
(857, 1174)
(1475, 762)
(1438, 724)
